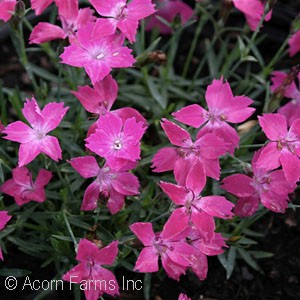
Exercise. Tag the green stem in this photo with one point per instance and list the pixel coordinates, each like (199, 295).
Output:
(70, 230)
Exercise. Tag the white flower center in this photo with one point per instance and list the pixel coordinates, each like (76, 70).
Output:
(100, 55)
(117, 144)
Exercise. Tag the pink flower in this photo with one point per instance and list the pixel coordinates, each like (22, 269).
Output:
(110, 185)
(7, 8)
(283, 148)
(269, 188)
(223, 107)
(71, 18)
(174, 252)
(4, 218)
(98, 100)
(168, 10)
(183, 297)
(22, 187)
(195, 209)
(40, 5)
(116, 141)
(34, 140)
(124, 16)
(184, 157)
(97, 50)
(294, 43)
(291, 110)
(253, 11)
(89, 273)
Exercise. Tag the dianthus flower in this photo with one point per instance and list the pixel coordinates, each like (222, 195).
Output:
(117, 142)
(110, 185)
(124, 16)
(184, 157)
(97, 50)
(174, 251)
(23, 188)
(283, 148)
(268, 187)
(223, 108)
(89, 273)
(71, 18)
(195, 209)
(34, 139)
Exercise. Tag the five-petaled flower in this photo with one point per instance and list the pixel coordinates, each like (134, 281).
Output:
(23, 188)
(89, 273)
(34, 139)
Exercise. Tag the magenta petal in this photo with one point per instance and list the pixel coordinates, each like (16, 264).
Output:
(294, 43)
(176, 193)
(86, 166)
(22, 176)
(43, 178)
(193, 115)
(204, 223)
(200, 267)
(76, 274)
(126, 184)
(50, 146)
(147, 261)
(238, 111)
(172, 269)
(68, 9)
(129, 28)
(44, 32)
(211, 146)
(7, 8)
(269, 157)
(218, 95)
(239, 185)
(53, 113)
(144, 232)
(28, 152)
(115, 202)
(40, 5)
(176, 224)
(276, 203)
(32, 113)
(216, 206)
(182, 167)
(291, 166)
(164, 159)
(295, 127)
(273, 125)
(246, 206)
(91, 196)
(128, 112)
(19, 132)
(107, 255)
(177, 135)
(196, 178)
(4, 218)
